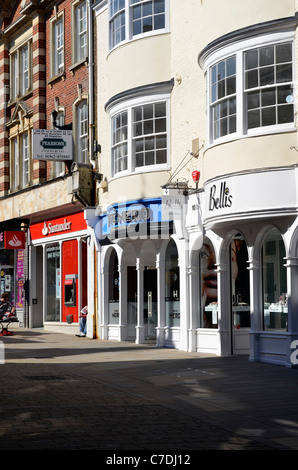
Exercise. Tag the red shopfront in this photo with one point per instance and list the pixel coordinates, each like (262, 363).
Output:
(60, 246)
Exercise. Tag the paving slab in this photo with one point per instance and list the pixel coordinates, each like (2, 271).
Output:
(61, 392)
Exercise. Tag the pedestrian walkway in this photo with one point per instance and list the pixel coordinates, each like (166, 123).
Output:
(61, 392)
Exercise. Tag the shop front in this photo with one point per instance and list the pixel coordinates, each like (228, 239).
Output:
(248, 264)
(59, 271)
(12, 255)
(139, 275)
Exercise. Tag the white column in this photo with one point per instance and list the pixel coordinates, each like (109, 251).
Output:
(122, 302)
(140, 328)
(193, 307)
(161, 294)
(256, 308)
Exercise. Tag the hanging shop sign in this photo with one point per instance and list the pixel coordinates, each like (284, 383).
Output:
(59, 226)
(14, 240)
(52, 144)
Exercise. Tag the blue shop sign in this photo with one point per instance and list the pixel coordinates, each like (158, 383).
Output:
(131, 213)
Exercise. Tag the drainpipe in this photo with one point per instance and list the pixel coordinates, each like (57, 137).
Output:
(91, 142)
(91, 79)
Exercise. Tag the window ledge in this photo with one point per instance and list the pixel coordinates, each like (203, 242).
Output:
(56, 78)
(14, 101)
(138, 37)
(141, 171)
(75, 66)
(256, 133)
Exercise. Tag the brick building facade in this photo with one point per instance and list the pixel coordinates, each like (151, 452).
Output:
(44, 77)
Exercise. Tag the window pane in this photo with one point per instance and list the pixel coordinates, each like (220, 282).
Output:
(283, 73)
(266, 55)
(149, 158)
(253, 119)
(251, 79)
(251, 59)
(283, 53)
(159, 6)
(147, 24)
(266, 76)
(137, 12)
(223, 127)
(221, 71)
(285, 114)
(253, 100)
(161, 142)
(269, 116)
(160, 125)
(148, 111)
(268, 97)
(139, 159)
(148, 127)
(160, 109)
(159, 21)
(223, 109)
(284, 95)
(231, 86)
(232, 124)
(147, 9)
(231, 66)
(221, 87)
(149, 144)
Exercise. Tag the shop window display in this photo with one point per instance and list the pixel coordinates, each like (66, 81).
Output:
(53, 282)
(275, 313)
(113, 289)
(172, 286)
(209, 304)
(240, 284)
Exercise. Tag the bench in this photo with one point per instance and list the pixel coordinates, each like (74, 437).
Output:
(4, 324)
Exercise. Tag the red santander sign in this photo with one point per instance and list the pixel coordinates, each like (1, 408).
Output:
(62, 225)
(14, 240)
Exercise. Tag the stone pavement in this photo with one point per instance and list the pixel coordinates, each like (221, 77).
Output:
(60, 392)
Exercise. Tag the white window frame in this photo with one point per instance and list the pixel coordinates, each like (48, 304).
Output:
(80, 32)
(58, 46)
(58, 167)
(25, 159)
(125, 10)
(15, 164)
(129, 107)
(238, 50)
(20, 70)
(82, 132)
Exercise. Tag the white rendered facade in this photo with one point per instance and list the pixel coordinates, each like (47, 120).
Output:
(212, 92)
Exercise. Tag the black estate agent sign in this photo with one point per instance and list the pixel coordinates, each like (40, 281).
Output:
(220, 197)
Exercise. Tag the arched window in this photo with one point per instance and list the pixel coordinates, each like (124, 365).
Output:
(208, 286)
(275, 313)
(113, 289)
(172, 286)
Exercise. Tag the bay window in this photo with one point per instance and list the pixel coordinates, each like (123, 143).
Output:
(140, 137)
(250, 87)
(131, 18)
